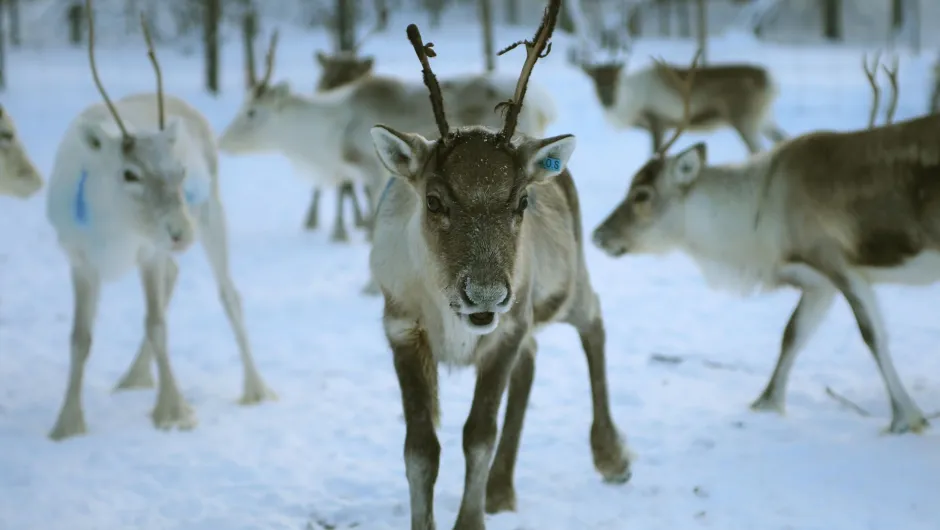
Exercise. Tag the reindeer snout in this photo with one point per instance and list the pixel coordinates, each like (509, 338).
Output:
(486, 296)
(605, 239)
(181, 233)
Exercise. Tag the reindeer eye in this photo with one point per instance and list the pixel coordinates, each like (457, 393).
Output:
(250, 113)
(641, 196)
(130, 176)
(434, 204)
(523, 203)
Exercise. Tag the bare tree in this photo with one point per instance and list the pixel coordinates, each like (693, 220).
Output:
(832, 19)
(685, 20)
(15, 37)
(486, 18)
(512, 11)
(3, 47)
(345, 25)
(211, 16)
(665, 15)
(75, 15)
(249, 31)
(702, 18)
(897, 14)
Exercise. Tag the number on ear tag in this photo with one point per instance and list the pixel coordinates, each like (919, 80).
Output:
(552, 164)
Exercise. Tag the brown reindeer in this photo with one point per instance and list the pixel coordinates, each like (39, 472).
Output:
(839, 212)
(477, 245)
(740, 96)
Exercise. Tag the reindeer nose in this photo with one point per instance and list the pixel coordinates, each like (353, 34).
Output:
(488, 295)
(599, 238)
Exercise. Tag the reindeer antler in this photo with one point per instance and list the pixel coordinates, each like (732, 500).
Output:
(685, 91)
(870, 73)
(269, 61)
(536, 49)
(893, 79)
(423, 51)
(161, 116)
(127, 139)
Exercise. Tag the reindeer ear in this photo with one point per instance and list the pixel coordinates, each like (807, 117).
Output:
(402, 154)
(368, 63)
(688, 164)
(94, 135)
(172, 130)
(548, 157)
(321, 58)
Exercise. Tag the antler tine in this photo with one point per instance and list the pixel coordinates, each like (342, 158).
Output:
(269, 60)
(893, 79)
(381, 19)
(685, 91)
(534, 51)
(161, 116)
(423, 51)
(870, 73)
(127, 138)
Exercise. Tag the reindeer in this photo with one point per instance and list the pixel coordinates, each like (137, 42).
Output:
(327, 134)
(826, 212)
(740, 96)
(124, 192)
(477, 245)
(18, 174)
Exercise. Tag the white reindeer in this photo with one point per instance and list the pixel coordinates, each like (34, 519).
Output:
(18, 174)
(124, 194)
(326, 136)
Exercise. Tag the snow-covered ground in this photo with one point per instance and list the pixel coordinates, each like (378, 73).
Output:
(328, 454)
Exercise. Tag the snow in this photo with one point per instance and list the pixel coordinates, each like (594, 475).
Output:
(328, 453)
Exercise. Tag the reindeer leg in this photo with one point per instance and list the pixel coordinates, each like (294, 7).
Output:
(339, 234)
(358, 216)
(809, 313)
(657, 130)
(417, 378)
(750, 135)
(86, 287)
(500, 491)
(171, 409)
(905, 415)
(611, 457)
(215, 243)
(313, 212)
(138, 375)
(479, 432)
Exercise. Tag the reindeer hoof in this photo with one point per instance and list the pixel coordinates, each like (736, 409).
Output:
(500, 497)
(173, 412)
(256, 393)
(912, 423)
(766, 403)
(135, 380)
(68, 425)
(611, 456)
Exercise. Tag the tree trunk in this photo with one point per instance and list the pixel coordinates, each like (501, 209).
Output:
(435, 11)
(832, 19)
(512, 12)
(486, 18)
(249, 31)
(381, 9)
(345, 25)
(3, 47)
(76, 19)
(635, 22)
(897, 14)
(665, 17)
(213, 12)
(702, 19)
(685, 21)
(16, 38)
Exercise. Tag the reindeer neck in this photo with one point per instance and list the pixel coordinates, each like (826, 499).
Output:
(308, 122)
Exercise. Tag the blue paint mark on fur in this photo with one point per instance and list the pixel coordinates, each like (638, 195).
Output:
(388, 186)
(196, 190)
(80, 210)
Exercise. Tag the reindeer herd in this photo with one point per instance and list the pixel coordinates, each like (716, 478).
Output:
(475, 226)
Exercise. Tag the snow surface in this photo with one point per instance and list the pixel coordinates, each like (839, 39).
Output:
(328, 454)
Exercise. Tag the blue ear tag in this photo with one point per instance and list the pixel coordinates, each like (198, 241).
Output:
(80, 206)
(551, 164)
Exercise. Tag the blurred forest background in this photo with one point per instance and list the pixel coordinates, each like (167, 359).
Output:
(206, 26)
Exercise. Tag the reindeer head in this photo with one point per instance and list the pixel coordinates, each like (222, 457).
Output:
(251, 129)
(138, 175)
(474, 185)
(18, 175)
(606, 74)
(341, 69)
(650, 218)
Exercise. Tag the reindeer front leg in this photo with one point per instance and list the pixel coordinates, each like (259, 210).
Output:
(313, 212)
(479, 432)
(86, 286)
(138, 375)
(417, 378)
(171, 409)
